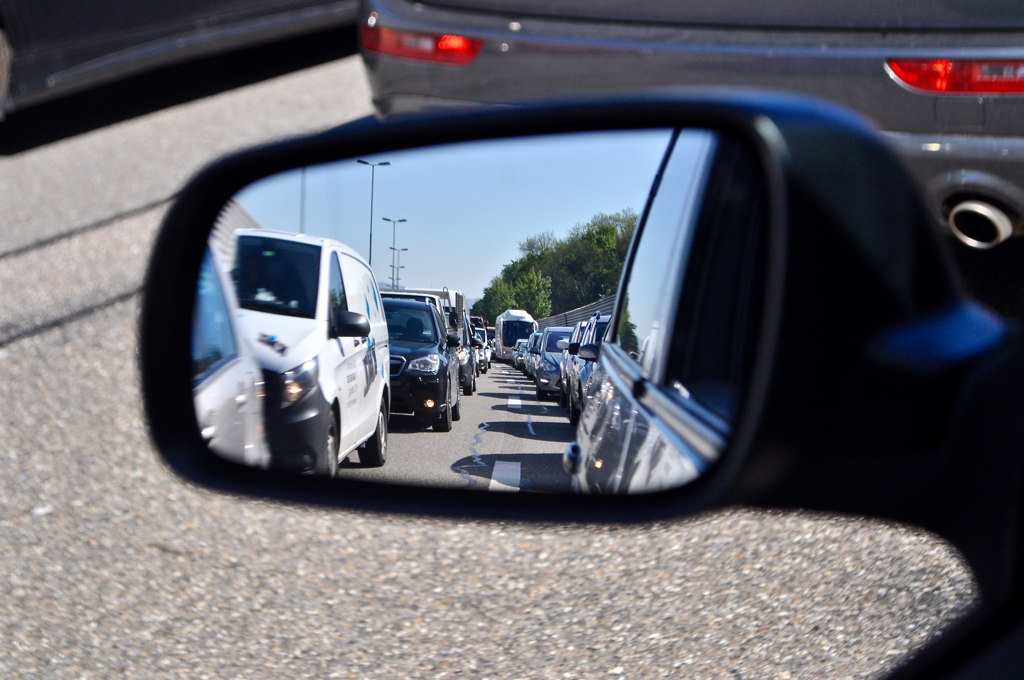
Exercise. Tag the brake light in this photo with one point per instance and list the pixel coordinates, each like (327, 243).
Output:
(451, 49)
(996, 76)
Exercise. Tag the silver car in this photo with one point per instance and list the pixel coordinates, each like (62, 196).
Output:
(944, 80)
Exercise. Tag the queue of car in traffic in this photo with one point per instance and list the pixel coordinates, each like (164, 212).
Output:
(299, 359)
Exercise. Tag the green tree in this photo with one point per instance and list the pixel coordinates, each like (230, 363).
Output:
(533, 293)
(498, 297)
(554, 274)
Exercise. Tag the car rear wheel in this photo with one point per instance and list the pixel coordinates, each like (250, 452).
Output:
(375, 449)
(574, 412)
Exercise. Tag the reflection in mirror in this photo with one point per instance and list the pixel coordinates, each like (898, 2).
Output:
(333, 333)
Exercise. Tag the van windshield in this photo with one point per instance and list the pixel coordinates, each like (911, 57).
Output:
(277, 276)
(514, 330)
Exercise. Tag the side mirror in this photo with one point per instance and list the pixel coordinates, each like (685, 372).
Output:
(534, 350)
(347, 324)
(574, 348)
(477, 344)
(562, 344)
(453, 320)
(589, 352)
(859, 377)
(453, 340)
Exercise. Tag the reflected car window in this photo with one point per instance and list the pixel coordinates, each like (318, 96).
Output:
(646, 316)
(213, 340)
(277, 276)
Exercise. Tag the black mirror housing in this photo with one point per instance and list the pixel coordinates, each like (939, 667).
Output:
(849, 245)
(453, 340)
(347, 324)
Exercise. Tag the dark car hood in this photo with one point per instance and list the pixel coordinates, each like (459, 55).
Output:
(831, 14)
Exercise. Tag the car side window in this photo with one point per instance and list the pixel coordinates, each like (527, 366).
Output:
(716, 328)
(646, 313)
(213, 339)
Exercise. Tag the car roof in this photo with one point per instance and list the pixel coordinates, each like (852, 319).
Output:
(321, 241)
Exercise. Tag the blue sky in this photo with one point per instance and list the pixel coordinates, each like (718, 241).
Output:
(466, 206)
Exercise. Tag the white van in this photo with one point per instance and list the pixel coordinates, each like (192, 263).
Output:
(311, 309)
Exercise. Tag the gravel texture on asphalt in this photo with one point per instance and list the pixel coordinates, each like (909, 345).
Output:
(114, 568)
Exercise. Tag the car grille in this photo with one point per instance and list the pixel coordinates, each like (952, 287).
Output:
(397, 364)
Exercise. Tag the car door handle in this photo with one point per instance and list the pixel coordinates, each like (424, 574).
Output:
(240, 399)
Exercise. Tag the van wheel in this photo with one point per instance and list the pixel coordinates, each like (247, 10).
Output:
(327, 461)
(470, 385)
(375, 450)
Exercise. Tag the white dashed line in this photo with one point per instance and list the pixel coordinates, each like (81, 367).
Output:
(514, 402)
(505, 477)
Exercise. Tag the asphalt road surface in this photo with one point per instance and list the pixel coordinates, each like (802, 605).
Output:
(505, 440)
(110, 567)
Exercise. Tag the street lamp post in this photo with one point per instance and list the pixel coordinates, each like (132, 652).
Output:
(394, 244)
(373, 169)
(396, 257)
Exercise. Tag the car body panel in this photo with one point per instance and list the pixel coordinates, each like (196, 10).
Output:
(60, 46)
(958, 145)
(228, 387)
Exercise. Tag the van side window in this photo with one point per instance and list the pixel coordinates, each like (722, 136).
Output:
(336, 288)
(646, 312)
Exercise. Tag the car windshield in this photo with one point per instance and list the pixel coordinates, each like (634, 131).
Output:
(410, 324)
(277, 276)
(553, 338)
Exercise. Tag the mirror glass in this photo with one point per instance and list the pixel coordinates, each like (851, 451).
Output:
(372, 317)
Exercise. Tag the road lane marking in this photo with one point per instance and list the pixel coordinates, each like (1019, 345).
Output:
(514, 402)
(529, 425)
(505, 477)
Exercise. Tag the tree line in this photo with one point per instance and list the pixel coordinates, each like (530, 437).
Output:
(554, 275)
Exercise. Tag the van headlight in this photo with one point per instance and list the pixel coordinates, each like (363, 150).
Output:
(428, 364)
(298, 382)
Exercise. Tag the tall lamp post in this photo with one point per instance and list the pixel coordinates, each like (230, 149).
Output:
(373, 169)
(394, 244)
(396, 257)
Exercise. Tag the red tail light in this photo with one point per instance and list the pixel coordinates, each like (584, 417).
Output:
(443, 49)
(996, 76)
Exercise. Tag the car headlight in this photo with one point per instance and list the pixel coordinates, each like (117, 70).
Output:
(297, 382)
(428, 364)
(549, 367)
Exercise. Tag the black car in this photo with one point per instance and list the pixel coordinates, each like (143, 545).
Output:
(55, 47)
(424, 365)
